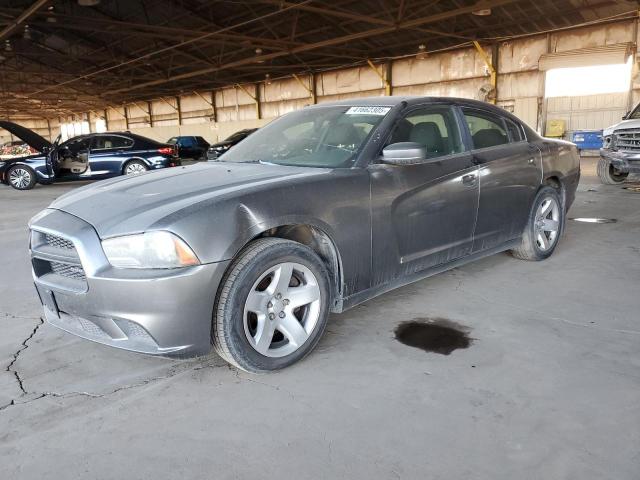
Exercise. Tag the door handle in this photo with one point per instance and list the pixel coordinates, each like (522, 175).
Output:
(531, 160)
(469, 180)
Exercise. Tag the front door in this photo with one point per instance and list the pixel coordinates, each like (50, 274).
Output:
(510, 174)
(423, 215)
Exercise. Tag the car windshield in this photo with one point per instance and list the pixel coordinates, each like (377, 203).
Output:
(635, 114)
(313, 137)
(236, 136)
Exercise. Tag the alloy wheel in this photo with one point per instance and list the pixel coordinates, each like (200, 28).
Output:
(282, 309)
(547, 224)
(20, 178)
(135, 169)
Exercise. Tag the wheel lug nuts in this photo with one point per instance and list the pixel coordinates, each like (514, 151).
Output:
(279, 296)
(286, 301)
(272, 316)
(281, 315)
(269, 305)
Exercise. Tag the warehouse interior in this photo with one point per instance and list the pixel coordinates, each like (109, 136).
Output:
(211, 71)
(530, 368)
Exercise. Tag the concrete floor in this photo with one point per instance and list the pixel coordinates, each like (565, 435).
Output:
(549, 389)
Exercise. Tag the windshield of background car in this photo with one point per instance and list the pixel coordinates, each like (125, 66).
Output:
(314, 137)
(635, 114)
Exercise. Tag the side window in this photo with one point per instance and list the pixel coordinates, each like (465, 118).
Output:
(434, 127)
(486, 130)
(77, 145)
(515, 131)
(107, 142)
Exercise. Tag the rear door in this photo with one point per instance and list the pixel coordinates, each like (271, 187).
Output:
(423, 215)
(108, 152)
(510, 172)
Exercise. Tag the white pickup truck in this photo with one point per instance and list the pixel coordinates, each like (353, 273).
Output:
(620, 153)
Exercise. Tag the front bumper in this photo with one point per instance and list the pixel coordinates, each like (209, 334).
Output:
(159, 312)
(626, 162)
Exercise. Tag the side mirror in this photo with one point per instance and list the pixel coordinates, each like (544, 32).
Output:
(404, 153)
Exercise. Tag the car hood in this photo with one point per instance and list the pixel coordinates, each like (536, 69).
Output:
(133, 204)
(633, 123)
(28, 136)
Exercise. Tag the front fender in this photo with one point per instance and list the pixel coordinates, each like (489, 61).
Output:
(272, 223)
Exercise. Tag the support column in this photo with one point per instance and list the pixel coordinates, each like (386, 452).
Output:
(150, 110)
(179, 111)
(492, 71)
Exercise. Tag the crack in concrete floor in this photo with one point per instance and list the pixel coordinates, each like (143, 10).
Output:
(28, 397)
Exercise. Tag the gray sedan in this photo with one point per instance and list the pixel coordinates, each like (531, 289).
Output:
(317, 212)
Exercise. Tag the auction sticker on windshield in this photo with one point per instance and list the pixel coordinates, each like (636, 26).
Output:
(368, 110)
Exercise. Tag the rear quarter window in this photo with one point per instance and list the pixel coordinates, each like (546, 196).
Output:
(486, 130)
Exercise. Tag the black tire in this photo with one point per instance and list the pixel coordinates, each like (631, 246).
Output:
(228, 327)
(529, 248)
(134, 163)
(26, 180)
(608, 175)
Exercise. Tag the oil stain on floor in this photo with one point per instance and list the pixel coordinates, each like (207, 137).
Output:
(437, 335)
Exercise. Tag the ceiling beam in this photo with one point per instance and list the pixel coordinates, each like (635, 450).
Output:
(23, 17)
(325, 43)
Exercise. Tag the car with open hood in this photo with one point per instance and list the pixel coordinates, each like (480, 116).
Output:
(620, 153)
(85, 157)
(319, 211)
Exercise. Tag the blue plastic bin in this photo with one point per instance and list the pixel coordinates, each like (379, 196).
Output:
(587, 139)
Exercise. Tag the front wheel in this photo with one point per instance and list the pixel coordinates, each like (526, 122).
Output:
(544, 226)
(608, 174)
(272, 306)
(21, 177)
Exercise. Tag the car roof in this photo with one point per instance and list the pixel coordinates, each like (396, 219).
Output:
(392, 101)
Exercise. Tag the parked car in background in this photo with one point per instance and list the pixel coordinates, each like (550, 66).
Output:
(190, 147)
(219, 148)
(92, 156)
(620, 153)
(319, 211)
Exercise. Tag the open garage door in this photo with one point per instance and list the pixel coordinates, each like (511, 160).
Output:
(588, 89)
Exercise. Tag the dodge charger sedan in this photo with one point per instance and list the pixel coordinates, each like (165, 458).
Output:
(319, 211)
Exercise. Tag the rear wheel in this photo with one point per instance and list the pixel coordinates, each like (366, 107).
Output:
(608, 174)
(135, 167)
(272, 306)
(21, 177)
(544, 226)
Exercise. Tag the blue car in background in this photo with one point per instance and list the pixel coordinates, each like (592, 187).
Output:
(91, 156)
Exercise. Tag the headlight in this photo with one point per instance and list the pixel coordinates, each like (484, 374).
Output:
(606, 141)
(149, 250)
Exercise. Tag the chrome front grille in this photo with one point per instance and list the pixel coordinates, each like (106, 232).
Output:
(58, 242)
(627, 139)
